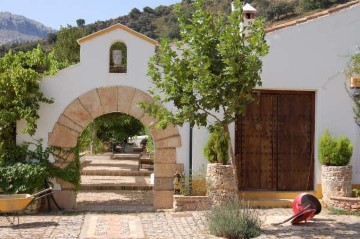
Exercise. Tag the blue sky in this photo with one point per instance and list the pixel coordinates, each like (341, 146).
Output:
(56, 13)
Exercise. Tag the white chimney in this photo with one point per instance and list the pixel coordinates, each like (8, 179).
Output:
(248, 14)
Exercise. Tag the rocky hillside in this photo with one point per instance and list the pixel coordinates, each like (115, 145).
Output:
(16, 28)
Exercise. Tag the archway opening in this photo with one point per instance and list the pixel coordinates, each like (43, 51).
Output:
(87, 107)
(117, 164)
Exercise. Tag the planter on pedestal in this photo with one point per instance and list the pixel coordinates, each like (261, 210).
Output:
(220, 183)
(336, 181)
(335, 155)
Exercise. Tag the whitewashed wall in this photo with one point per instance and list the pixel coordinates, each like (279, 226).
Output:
(310, 56)
(93, 72)
(313, 56)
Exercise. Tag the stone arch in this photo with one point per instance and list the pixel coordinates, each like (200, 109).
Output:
(82, 110)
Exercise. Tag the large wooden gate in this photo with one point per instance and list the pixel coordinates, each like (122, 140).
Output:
(275, 142)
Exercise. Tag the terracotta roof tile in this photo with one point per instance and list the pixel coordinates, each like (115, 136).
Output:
(311, 17)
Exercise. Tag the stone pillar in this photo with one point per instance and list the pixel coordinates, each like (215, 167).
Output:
(336, 181)
(220, 184)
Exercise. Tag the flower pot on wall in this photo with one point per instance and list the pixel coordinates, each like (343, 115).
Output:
(220, 183)
(336, 181)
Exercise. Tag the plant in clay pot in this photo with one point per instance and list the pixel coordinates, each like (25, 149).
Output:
(220, 180)
(335, 155)
(217, 148)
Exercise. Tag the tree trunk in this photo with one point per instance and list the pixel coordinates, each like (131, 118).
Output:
(232, 156)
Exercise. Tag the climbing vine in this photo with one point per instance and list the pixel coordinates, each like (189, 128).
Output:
(20, 95)
(354, 70)
(28, 173)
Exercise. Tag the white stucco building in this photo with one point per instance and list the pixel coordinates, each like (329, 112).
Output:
(276, 144)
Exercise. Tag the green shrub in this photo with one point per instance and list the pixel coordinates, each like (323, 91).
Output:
(334, 151)
(217, 148)
(27, 173)
(22, 178)
(234, 220)
(356, 192)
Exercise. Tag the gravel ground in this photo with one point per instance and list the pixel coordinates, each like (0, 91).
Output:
(169, 224)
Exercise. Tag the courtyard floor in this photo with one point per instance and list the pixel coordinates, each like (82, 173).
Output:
(168, 224)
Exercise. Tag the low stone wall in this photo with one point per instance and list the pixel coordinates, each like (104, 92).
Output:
(190, 203)
(346, 203)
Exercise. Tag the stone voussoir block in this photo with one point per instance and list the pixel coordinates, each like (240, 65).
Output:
(148, 120)
(77, 113)
(170, 131)
(91, 101)
(139, 96)
(108, 98)
(125, 97)
(65, 121)
(63, 137)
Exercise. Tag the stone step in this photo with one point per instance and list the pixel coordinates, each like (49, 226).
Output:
(109, 164)
(273, 194)
(125, 209)
(89, 182)
(115, 200)
(116, 187)
(104, 171)
(269, 203)
(125, 156)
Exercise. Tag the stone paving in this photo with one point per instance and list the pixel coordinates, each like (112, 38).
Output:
(168, 224)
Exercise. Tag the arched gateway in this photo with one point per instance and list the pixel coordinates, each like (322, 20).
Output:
(105, 82)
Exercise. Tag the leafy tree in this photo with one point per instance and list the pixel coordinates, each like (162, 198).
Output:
(51, 38)
(309, 5)
(210, 75)
(66, 49)
(280, 9)
(20, 95)
(114, 128)
(134, 13)
(80, 22)
(149, 10)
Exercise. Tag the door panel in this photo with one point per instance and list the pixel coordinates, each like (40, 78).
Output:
(256, 167)
(294, 141)
(274, 142)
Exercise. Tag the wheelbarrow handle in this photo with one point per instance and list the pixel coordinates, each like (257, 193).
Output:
(292, 217)
(45, 195)
(41, 192)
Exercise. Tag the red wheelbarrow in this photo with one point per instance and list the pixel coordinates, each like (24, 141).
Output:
(16, 203)
(305, 206)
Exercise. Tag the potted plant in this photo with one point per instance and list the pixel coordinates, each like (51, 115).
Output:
(334, 156)
(220, 180)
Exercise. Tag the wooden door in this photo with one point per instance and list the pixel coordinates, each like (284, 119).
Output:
(274, 142)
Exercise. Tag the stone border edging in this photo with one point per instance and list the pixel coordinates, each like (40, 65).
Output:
(350, 204)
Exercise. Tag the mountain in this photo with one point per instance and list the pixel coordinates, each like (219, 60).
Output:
(16, 28)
